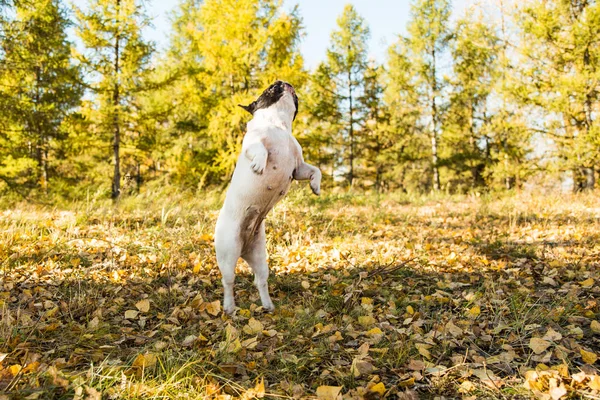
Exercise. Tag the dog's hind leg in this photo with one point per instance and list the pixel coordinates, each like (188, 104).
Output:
(255, 255)
(228, 248)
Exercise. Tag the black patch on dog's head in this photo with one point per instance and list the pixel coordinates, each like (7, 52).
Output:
(271, 96)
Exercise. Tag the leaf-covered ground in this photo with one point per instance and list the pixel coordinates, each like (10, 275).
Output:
(376, 298)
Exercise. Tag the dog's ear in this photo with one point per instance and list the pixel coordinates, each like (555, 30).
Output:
(250, 107)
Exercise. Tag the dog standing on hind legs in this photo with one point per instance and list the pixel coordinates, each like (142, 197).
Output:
(270, 159)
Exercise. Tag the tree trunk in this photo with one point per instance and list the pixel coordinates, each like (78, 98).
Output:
(590, 178)
(584, 179)
(44, 166)
(41, 152)
(351, 131)
(116, 186)
(434, 117)
(475, 165)
(138, 176)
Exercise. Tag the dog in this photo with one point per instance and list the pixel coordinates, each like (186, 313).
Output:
(270, 159)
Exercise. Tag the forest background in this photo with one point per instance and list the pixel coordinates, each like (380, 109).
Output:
(502, 97)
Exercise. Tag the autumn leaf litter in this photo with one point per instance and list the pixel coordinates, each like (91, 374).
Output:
(472, 298)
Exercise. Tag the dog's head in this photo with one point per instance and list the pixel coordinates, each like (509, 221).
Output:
(280, 94)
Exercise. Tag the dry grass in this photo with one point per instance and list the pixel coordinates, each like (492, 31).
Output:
(384, 296)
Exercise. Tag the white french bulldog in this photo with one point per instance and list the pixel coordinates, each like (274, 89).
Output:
(271, 158)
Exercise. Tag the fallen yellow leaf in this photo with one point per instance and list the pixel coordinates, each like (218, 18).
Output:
(254, 327)
(552, 335)
(374, 331)
(144, 361)
(336, 337)
(452, 329)
(131, 314)
(366, 320)
(424, 350)
(466, 387)
(231, 347)
(538, 345)
(379, 388)
(213, 308)
(329, 392)
(589, 282)
(361, 367)
(259, 389)
(52, 312)
(197, 267)
(143, 305)
(197, 301)
(15, 369)
(366, 300)
(270, 333)
(588, 357)
(595, 326)
(594, 382)
(93, 324)
(557, 392)
(230, 332)
(250, 343)
(33, 367)
(407, 383)
(474, 312)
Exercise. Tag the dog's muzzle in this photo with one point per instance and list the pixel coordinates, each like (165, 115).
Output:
(289, 88)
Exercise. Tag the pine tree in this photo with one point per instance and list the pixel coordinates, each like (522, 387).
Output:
(475, 69)
(429, 35)
(317, 125)
(408, 158)
(511, 139)
(117, 59)
(39, 86)
(562, 56)
(347, 60)
(376, 138)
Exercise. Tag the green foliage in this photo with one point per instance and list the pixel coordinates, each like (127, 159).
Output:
(560, 78)
(409, 164)
(429, 34)
(117, 60)
(347, 63)
(466, 149)
(224, 54)
(376, 139)
(457, 106)
(39, 87)
(317, 127)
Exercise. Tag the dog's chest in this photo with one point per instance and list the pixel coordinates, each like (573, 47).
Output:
(265, 189)
(283, 155)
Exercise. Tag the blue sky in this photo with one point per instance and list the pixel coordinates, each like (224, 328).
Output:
(386, 19)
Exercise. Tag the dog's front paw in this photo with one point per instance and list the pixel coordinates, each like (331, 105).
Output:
(316, 189)
(315, 183)
(258, 165)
